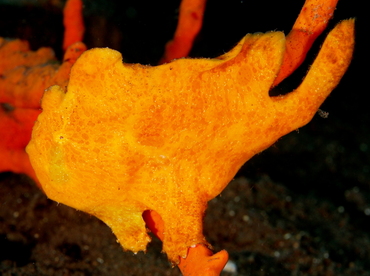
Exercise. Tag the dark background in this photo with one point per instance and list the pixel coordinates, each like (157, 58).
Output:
(301, 207)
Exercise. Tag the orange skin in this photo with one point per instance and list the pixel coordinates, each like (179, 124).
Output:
(305, 30)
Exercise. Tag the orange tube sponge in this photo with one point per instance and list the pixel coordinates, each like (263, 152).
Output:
(189, 24)
(74, 27)
(311, 22)
(127, 138)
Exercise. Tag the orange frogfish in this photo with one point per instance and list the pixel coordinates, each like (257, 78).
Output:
(125, 138)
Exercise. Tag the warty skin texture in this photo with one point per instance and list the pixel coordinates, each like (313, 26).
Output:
(128, 138)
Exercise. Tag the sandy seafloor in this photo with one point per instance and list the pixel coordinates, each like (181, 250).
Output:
(301, 207)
